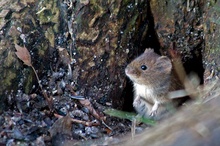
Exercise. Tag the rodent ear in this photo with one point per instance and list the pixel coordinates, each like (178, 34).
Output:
(163, 64)
(148, 50)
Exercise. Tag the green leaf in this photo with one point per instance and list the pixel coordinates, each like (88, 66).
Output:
(129, 116)
(217, 8)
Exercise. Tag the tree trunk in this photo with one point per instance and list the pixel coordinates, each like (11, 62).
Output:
(99, 37)
(105, 33)
(212, 36)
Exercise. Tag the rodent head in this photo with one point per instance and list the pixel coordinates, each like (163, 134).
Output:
(149, 68)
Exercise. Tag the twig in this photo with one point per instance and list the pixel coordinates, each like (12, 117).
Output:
(106, 125)
(48, 99)
(86, 123)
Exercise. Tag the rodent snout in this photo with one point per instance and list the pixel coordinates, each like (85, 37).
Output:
(129, 71)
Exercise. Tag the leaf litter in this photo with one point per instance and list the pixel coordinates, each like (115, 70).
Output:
(57, 112)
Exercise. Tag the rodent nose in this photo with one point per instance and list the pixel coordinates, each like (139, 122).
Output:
(126, 70)
(129, 71)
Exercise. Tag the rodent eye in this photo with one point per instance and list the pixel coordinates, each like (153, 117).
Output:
(143, 67)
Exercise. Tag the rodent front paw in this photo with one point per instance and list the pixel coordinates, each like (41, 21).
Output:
(136, 102)
(141, 107)
(153, 113)
(154, 109)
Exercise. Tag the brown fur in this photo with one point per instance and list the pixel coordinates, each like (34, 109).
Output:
(152, 85)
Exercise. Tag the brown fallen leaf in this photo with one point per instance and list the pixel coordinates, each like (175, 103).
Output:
(86, 103)
(63, 126)
(23, 54)
(65, 58)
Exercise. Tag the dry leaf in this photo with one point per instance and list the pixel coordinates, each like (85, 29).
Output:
(23, 54)
(86, 103)
(62, 126)
(86, 123)
(65, 58)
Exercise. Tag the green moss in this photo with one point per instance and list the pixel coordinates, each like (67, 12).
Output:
(127, 2)
(50, 36)
(215, 50)
(129, 28)
(8, 78)
(9, 60)
(95, 6)
(211, 3)
(49, 13)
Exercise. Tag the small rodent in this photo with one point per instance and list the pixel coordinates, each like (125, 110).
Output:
(152, 78)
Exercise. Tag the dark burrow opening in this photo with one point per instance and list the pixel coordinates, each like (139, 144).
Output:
(194, 64)
(150, 41)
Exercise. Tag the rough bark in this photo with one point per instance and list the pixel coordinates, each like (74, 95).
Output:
(105, 34)
(212, 36)
(181, 22)
(193, 26)
(21, 24)
(194, 125)
(98, 36)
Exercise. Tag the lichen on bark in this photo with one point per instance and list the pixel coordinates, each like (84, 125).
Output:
(100, 36)
(22, 23)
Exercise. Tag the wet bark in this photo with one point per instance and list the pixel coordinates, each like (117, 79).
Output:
(105, 37)
(98, 36)
(212, 36)
(22, 24)
(181, 23)
(193, 27)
